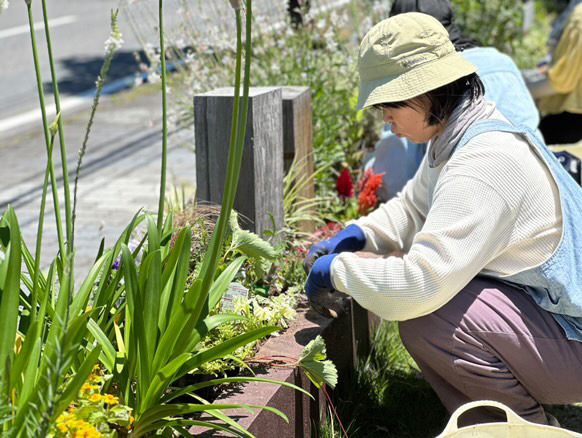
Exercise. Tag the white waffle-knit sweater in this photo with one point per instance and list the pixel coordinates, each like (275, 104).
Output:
(493, 208)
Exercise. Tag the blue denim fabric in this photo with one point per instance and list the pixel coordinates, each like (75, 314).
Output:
(556, 285)
(504, 85)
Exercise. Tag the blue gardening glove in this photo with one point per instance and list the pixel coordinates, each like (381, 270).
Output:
(351, 239)
(319, 284)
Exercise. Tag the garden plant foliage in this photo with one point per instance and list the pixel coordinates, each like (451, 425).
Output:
(135, 313)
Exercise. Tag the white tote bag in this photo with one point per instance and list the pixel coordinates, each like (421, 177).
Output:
(515, 427)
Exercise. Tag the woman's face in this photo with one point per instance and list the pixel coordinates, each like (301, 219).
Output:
(411, 122)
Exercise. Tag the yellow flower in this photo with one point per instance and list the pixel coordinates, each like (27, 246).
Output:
(85, 430)
(96, 398)
(110, 399)
(87, 387)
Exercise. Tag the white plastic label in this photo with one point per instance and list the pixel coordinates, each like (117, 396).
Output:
(228, 299)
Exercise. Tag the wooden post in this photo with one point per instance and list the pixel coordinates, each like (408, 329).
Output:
(260, 187)
(298, 142)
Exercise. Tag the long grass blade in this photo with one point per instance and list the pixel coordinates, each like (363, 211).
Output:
(11, 290)
(165, 411)
(81, 375)
(137, 340)
(55, 193)
(164, 117)
(106, 345)
(224, 348)
(152, 289)
(55, 84)
(159, 425)
(175, 277)
(82, 297)
(226, 380)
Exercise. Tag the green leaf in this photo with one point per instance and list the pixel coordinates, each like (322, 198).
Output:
(101, 249)
(4, 235)
(10, 290)
(138, 343)
(104, 342)
(21, 360)
(313, 361)
(220, 350)
(159, 384)
(82, 297)
(249, 243)
(105, 289)
(208, 324)
(30, 374)
(174, 276)
(174, 424)
(225, 418)
(153, 288)
(253, 246)
(221, 284)
(77, 381)
(164, 411)
(30, 267)
(225, 380)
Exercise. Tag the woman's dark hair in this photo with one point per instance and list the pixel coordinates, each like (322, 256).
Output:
(445, 99)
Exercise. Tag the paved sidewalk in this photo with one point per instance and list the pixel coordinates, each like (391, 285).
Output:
(120, 172)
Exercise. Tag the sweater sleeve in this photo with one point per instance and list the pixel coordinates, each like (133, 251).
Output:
(468, 224)
(392, 226)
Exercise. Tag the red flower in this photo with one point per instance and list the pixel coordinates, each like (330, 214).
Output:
(345, 185)
(369, 185)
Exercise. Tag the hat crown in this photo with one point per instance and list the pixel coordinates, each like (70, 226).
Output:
(400, 43)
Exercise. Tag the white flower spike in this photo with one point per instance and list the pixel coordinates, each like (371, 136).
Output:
(115, 40)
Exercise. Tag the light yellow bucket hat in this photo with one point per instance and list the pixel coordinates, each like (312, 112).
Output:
(406, 56)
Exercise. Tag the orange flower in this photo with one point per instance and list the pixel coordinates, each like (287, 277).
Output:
(368, 188)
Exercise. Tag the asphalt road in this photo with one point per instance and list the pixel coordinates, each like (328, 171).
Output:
(79, 29)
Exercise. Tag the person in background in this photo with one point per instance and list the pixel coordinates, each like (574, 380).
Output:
(504, 85)
(558, 90)
(488, 292)
(559, 24)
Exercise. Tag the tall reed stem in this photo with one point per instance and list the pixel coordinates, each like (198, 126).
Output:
(46, 131)
(239, 123)
(164, 120)
(34, 293)
(109, 53)
(68, 213)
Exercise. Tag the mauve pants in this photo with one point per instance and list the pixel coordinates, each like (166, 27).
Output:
(492, 342)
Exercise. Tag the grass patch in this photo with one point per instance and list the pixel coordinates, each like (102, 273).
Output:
(387, 396)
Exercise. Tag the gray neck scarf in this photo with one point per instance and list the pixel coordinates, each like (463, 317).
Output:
(442, 146)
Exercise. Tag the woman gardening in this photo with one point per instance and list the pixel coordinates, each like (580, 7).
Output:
(489, 291)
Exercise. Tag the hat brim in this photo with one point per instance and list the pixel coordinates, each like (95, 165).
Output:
(417, 81)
